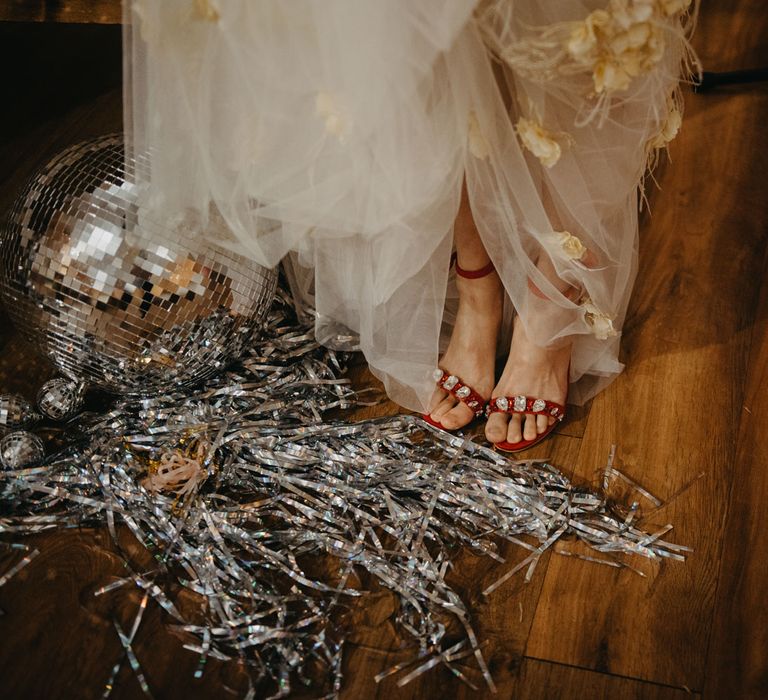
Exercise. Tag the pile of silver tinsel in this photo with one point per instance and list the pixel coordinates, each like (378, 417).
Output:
(235, 483)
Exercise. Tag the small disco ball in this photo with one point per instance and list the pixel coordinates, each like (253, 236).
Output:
(21, 449)
(114, 294)
(16, 412)
(60, 398)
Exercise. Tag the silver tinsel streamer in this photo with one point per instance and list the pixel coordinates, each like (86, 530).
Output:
(234, 484)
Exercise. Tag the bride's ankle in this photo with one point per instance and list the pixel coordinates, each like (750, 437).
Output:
(527, 347)
(484, 294)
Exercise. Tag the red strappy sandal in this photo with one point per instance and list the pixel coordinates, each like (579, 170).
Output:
(525, 405)
(463, 392)
(529, 405)
(450, 382)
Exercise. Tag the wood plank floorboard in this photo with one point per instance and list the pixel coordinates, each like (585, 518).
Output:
(675, 410)
(695, 346)
(541, 680)
(97, 11)
(737, 665)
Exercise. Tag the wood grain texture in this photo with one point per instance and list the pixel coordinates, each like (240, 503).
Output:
(539, 680)
(737, 662)
(674, 411)
(59, 639)
(91, 11)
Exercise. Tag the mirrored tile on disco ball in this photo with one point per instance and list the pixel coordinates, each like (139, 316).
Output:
(111, 293)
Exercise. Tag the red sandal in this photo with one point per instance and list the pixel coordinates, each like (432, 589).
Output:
(450, 382)
(463, 392)
(525, 405)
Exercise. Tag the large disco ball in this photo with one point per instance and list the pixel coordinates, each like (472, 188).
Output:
(116, 295)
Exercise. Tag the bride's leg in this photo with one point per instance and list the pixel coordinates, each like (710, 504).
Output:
(531, 370)
(472, 348)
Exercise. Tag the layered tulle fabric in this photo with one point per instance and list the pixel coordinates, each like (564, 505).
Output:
(336, 136)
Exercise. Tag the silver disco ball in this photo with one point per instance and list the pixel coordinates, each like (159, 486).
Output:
(116, 295)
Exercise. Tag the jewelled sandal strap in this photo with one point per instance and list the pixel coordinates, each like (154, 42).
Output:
(471, 274)
(463, 392)
(526, 404)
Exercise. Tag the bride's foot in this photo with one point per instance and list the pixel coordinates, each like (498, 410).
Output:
(530, 371)
(472, 348)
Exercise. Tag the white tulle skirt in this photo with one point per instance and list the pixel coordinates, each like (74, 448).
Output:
(336, 135)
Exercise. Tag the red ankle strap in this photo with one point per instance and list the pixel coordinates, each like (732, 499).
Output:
(471, 274)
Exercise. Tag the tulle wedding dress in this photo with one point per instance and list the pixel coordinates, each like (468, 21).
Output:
(336, 134)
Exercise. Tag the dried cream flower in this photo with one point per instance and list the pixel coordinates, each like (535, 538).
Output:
(325, 107)
(583, 41)
(628, 12)
(638, 49)
(631, 39)
(672, 7)
(619, 43)
(610, 75)
(670, 127)
(478, 144)
(205, 10)
(654, 48)
(539, 141)
(571, 245)
(599, 322)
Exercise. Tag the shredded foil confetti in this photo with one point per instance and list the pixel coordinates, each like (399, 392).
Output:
(235, 484)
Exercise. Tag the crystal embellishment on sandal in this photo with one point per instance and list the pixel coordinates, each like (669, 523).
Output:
(463, 392)
(450, 382)
(539, 405)
(501, 403)
(519, 403)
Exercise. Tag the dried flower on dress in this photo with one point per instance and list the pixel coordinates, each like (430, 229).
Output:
(630, 12)
(205, 10)
(570, 245)
(673, 7)
(669, 128)
(614, 44)
(325, 107)
(600, 323)
(619, 43)
(539, 141)
(583, 40)
(478, 144)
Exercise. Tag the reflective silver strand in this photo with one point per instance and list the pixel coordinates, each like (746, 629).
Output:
(236, 484)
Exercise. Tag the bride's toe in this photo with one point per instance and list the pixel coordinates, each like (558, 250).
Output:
(515, 429)
(443, 408)
(542, 423)
(529, 427)
(496, 427)
(457, 417)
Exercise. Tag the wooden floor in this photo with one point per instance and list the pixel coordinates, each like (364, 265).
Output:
(694, 399)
